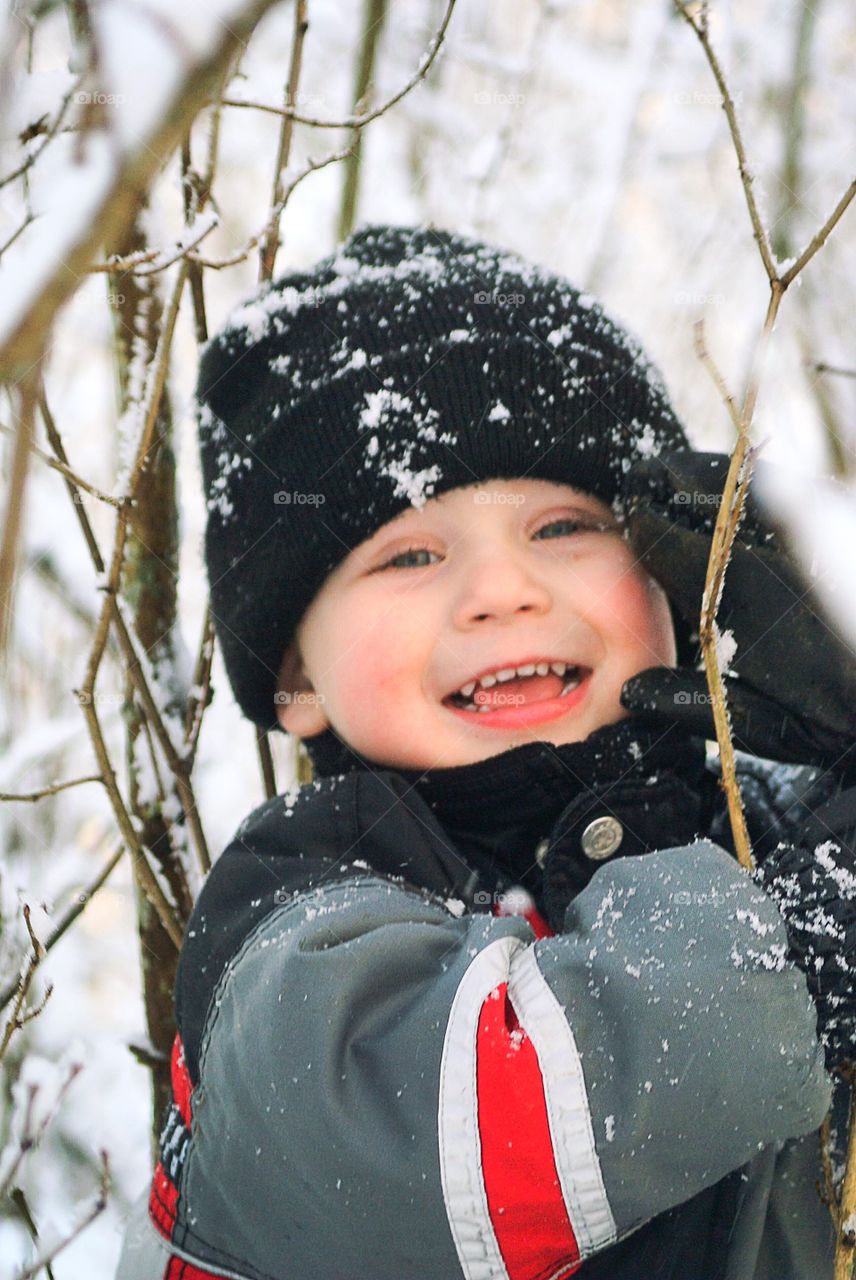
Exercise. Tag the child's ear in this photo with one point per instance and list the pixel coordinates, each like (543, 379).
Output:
(298, 709)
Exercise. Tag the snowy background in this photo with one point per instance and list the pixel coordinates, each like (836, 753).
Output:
(585, 134)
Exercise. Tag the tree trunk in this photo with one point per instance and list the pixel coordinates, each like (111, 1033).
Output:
(149, 590)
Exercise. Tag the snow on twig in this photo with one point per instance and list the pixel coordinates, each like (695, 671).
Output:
(91, 202)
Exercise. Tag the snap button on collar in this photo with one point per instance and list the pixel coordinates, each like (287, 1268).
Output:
(601, 838)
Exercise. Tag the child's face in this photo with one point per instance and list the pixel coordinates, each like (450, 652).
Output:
(486, 577)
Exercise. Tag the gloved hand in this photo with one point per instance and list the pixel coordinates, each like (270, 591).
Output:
(638, 789)
(815, 890)
(792, 694)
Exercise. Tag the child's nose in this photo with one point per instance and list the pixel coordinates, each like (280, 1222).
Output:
(498, 585)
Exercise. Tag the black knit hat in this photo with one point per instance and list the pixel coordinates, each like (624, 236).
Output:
(409, 362)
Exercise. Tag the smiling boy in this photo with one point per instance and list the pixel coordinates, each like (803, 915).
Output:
(491, 998)
(412, 641)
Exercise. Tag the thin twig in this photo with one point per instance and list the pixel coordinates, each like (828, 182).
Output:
(358, 121)
(19, 231)
(136, 263)
(72, 482)
(251, 244)
(98, 1207)
(19, 1200)
(700, 27)
(30, 1137)
(135, 168)
(196, 192)
(845, 1250)
(793, 132)
(828, 1195)
(175, 760)
(820, 237)
(374, 17)
(700, 344)
(134, 664)
(68, 917)
(733, 498)
(201, 681)
(48, 136)
(143, 870)
(151, 401)
(721, 543)
(155, 381)
(21, 986)
(52, 790)
(15, 493)
(77, 480)
(266, 763)
(270, 244)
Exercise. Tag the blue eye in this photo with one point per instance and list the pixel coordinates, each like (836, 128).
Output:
(571, 526)
(411, 551)
(564, 527)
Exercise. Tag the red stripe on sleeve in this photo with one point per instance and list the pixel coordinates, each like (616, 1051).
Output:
(163, 1197)
(537, 923)
(519, 902)
(524, 1196)
(181, 1085)
(178, 1269)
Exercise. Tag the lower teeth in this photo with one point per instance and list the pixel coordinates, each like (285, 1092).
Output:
(567, 688)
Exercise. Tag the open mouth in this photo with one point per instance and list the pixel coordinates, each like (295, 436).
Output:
(518, 687)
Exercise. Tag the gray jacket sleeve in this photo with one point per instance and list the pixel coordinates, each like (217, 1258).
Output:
(391, 1087)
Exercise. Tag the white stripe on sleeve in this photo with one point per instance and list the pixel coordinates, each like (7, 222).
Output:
(544, 1021)
(460, 1146)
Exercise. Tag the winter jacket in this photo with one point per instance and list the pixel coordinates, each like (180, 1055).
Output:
(380, 1074)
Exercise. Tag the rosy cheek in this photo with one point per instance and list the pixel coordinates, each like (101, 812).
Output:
(367, 680)
(629, 612)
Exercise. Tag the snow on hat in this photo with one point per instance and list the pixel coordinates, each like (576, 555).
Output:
(409, 362)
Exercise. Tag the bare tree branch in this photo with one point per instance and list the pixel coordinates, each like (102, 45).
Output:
(49, 133)
(21, 986)
(19, 231)
(374, 17)
(98, 1207)
(845, 1215)
(358, 121)
(81, 902)
(32, 1136)
(696, 16)
(270, 242)
(728, 517)
(51, 790)
(200, 689)
(132, 176)
(76, 480)
(19, 1200)
(14, 513)
(136, 263)
(820, 237)
(242, 254)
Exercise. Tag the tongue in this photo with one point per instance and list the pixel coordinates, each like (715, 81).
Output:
(519, 691)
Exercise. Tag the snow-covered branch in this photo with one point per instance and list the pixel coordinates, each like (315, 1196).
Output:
(159, 65)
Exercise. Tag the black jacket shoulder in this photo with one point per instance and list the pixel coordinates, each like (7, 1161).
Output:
(316, 833)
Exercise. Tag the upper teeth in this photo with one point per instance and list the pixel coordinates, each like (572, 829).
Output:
(509, 673)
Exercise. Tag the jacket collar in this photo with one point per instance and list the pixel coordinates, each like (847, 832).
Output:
(506, 804)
